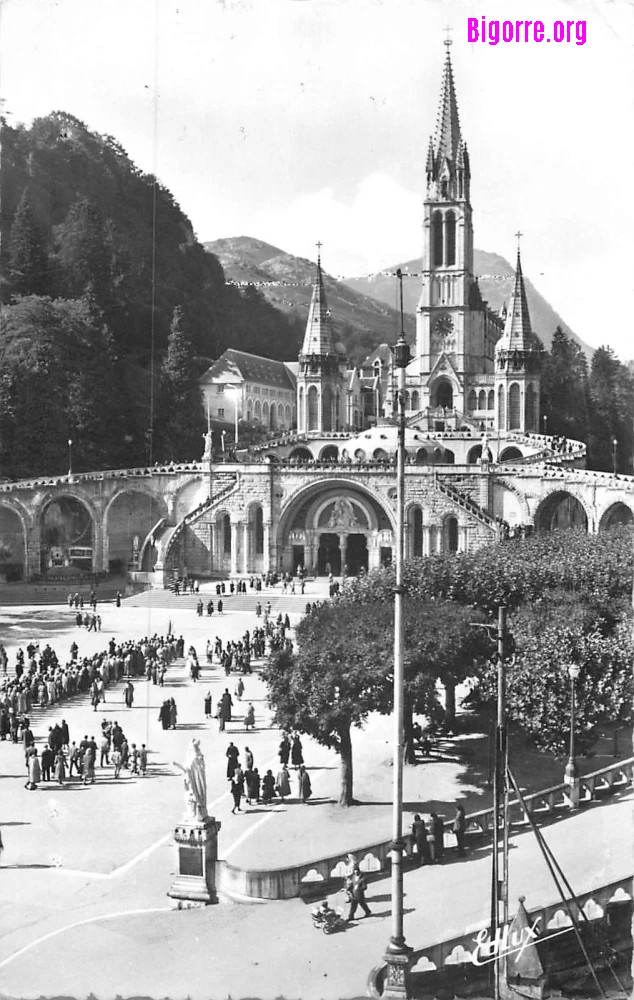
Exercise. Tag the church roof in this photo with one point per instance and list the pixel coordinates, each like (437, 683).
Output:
(318, 338)
(240, 366)
(518, 333)
(447, 141)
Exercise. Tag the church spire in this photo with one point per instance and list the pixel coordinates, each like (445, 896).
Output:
(518, 333)
(447, 140)
(318, 338)
(447, 166)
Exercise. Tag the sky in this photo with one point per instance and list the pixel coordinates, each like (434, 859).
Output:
(298, 121)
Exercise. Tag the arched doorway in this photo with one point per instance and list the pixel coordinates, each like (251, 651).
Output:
(617, 514)
(357, 554)
(67, 536)
(129, 519)
(301, 455)
(444, 395)
(330, 453)
(421, 456)
(474, 455)
(255, 528)
(329, 555)
(560, 511)
(450, 534)
(12, 549)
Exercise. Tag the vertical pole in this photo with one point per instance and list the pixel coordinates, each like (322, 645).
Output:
(499, 891)
(397, 954)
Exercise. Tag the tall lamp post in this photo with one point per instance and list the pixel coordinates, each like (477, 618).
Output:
(615, 445)
(70, 458)
(397, 956)
(572, 771)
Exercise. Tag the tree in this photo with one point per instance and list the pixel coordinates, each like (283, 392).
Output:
(28, 262)
(612, 402)
(180, 421)
(565, 388)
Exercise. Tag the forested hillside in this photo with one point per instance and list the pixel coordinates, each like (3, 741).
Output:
(99, 264)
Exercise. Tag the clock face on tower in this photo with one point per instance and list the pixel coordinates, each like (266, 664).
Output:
(443, 326)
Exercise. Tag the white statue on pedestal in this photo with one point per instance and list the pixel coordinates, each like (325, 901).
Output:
(195, 784)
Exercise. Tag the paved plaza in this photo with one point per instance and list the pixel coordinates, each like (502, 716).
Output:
(86, 870)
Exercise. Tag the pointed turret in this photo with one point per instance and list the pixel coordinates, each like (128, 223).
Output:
(518, 333)
(321, 381)
(318, 338)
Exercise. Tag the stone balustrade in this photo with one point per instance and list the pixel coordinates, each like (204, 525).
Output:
(321, 875)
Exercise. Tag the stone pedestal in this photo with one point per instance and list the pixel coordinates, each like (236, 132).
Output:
(197, 853)
(396, 984)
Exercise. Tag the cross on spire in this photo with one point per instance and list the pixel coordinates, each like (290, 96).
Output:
(319, 245)
(448, 42)
(518, 236)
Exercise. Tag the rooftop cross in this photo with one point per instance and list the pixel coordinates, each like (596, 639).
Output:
(518, 236)
(319, 245)
(447, 40)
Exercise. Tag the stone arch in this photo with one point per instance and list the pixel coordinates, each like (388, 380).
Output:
(421, 456)
(448, 457)
(68, 532)
(473, 400)
(329, 454)
(482, 400)
(380, 455)
(13, 542)
(255, 537)
(491, 400)
(443, 393)
(288, 415)
(128, 519)
(188, 497)
(338, 484)
(559, 510)
(474, 454)
(415, 400)
(510, 454)
(273, 417)
(301, 455)
(510, 487)
(616, 514)
(265, 413)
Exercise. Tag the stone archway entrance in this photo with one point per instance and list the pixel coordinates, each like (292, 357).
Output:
(67, 535)
(329, 555)
(356, 554)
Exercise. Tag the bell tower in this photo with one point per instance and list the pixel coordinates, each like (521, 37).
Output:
(449, 290)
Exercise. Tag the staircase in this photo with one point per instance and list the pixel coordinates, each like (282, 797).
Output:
(467, 504)
(223, 483)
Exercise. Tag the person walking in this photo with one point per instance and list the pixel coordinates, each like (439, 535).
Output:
(35, 773)
(249, 719)
(104, 751)
(304, 785)
(237, 788)
(164, 715)
(46, 763)
(173, 713)
(419, 839)
(248, 759)
(253, 786)
(460, 829)
(239, 689)
(285, 750)
(208, 705)
(437, 832)
(283, 782)
(88, 766)
(356, 886)
(143, 760)
(128, 694)
(117, 760)
(297, 756)
(268, 788)
(232, 754)
(60, 767)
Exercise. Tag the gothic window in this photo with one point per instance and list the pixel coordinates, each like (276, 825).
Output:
(273, 417)
(226, 532)
(450, 238)
(249, 412)
(257, 411)
(514, 407)
(415, 400)
(287, 415)
(530, 422)
(326, 409)
(444, 395)
(265, 414)
(436, 240)
(473, 400)
(451, 535)
(482, 400)
(407, 399)
(258, 530)
(312, 407)
(501, 410)
(302, 415)
(491, 400)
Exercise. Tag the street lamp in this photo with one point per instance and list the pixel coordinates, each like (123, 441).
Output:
(545, 419)
(397, 956)
(70, 458)
(615, 445)
(572, 771)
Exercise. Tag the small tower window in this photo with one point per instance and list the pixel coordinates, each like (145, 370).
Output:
(450, 239)
(514, 407)
(436, 240)
(501, 411)
(312, 406)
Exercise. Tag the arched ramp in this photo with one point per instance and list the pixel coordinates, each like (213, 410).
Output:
(619, 513)
(559, 511)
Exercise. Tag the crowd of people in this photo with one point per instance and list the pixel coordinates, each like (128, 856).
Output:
(247, 783)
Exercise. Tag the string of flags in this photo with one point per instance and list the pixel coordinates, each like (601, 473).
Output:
(341, 277)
